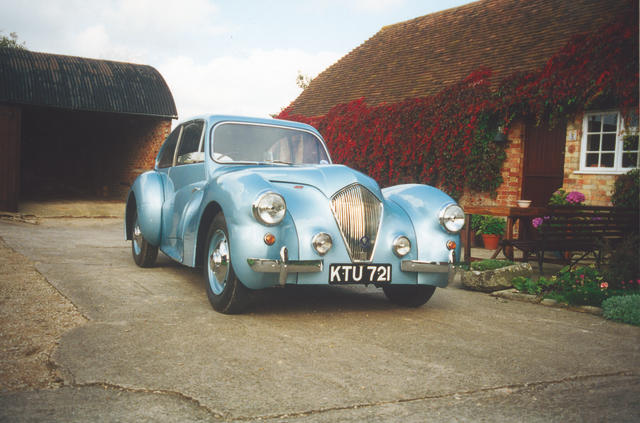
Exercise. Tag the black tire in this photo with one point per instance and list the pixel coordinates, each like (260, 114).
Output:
(225, 291)
(144, 254)
(409, 295)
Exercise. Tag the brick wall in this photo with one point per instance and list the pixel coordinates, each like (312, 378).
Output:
(84, 154)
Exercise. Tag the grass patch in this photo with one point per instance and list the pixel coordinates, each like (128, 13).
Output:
(490, 264)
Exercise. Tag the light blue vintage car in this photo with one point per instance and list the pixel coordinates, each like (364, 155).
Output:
(257, 203)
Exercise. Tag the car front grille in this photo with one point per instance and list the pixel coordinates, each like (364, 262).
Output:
(358, 213)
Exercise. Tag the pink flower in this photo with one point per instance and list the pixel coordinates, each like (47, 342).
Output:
(537, 222)
(575, 197)
(604, 285)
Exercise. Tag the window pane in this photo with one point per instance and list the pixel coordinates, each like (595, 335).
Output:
(610, 123)
(166, 159)
(608, 142)
(190, 140)
(593, 143)
(630, 160)
(606, 160)
(592, 160)
(630, 143)
(594, 123)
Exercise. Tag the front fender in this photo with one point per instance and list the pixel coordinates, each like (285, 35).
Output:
(423, 204)
(147, 194)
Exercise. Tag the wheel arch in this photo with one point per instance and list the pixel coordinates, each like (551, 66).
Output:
(209, 213)
(145, 199)
(129, 215)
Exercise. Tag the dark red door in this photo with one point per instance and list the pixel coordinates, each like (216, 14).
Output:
(543, 162)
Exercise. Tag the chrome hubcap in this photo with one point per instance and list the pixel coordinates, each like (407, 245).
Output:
(137, 238)
(219, 261)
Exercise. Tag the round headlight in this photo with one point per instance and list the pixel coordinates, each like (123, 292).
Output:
(401, 246)
(452, 218)
(322, 243)
(269, 208)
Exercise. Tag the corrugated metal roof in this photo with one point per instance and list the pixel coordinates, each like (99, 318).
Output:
(78, 83)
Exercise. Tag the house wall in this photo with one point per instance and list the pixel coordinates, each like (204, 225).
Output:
(596, 188)
(85, 154)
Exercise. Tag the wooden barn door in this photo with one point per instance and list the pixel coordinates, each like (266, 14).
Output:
(9, 158)
(543, 162)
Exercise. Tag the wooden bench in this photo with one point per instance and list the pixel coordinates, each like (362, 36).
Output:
(584, 229)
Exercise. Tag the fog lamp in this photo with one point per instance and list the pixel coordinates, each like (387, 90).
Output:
(401, 246)
(322, 243)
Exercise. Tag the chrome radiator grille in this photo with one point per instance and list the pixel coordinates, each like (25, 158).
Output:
(357, 212)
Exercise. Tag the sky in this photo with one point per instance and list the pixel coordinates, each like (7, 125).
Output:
(217, 56)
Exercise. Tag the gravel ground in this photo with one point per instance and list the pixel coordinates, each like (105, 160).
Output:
(33, 318)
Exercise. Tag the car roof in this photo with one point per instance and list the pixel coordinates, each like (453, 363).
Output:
(215, 119)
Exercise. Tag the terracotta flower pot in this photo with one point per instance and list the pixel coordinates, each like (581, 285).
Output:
(491, 241)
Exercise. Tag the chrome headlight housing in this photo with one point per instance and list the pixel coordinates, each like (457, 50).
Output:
(269, 208)
(452, 218)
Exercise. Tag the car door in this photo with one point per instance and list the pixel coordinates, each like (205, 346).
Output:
(184, 179)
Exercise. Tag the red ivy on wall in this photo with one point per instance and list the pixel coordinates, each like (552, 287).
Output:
(446, 139)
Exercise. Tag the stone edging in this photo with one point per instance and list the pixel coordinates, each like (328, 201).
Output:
(514, 294)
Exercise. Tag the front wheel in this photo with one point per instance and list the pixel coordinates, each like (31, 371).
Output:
(144, 254)
(409, 295)
(225, 291)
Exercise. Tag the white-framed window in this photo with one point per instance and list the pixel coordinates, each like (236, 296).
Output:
(606, 146)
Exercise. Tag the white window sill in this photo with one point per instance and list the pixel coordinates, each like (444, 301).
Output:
(601, 172)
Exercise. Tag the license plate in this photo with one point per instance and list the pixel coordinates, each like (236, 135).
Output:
(360, 273)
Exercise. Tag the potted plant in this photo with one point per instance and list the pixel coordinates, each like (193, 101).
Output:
(491, 228)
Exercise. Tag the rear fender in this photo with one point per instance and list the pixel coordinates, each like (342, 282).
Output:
(146, 197)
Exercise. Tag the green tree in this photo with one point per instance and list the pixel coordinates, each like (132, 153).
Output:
(11, 41)
(302, 80)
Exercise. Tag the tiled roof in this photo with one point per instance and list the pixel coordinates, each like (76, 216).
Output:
(419, 57)
(77, 83)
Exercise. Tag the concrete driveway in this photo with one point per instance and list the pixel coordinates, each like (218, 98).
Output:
(154, 350)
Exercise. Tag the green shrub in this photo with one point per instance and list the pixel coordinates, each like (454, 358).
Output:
(581, 286)
(476, 222)
(526, 285)
(491, 225)
(624, 309)
(490, 264)
(621, 267)
(626, 190)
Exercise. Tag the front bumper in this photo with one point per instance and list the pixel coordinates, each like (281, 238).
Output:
(284, 266)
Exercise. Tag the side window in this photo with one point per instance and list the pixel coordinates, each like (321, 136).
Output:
(189, 148)
(169, 148)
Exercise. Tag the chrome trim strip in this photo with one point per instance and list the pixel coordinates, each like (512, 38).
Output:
(284, 266)
(420, 266)
(424, 266)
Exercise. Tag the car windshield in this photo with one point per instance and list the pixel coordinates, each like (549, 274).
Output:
(242, 142)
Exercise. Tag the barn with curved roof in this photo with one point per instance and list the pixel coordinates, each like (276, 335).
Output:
(77, 127)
